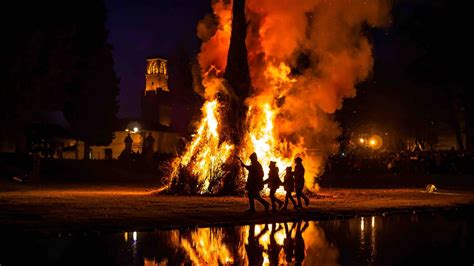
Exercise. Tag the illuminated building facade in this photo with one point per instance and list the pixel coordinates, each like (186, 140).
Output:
(156, 104)
(155, 120)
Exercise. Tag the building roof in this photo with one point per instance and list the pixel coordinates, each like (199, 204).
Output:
(156, 57)
(128, 123)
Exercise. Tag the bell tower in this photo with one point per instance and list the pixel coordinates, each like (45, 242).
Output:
(156, 74)
(156, 99)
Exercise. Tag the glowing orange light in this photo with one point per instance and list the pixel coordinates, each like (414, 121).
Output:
(208, 151)
(375, 142)
(206, 247)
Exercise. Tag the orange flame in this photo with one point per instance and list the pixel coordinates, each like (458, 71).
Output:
(287, 114)
(205, 155)
(206, 247)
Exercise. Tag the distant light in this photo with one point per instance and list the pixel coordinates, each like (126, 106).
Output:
(361, 223)
(135, 236)
(375, 142)
(127, 130)
(343, 154)
(361, 140)
(135, 129)
(126, 236)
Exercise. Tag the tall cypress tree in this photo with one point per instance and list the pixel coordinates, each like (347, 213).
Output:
(58, 59)
(237, 74)
(92, 105)
(37, 63)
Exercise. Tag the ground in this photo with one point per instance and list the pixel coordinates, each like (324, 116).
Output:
(115, 208)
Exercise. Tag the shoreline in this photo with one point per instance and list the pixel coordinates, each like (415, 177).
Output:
(96, 208)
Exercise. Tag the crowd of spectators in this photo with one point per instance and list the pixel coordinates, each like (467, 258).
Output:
(437, 162)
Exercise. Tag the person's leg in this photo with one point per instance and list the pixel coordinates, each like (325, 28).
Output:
(279, 201)
(287, 196)
(306, 199)
(298, 197)
(262, 201)
(292, 200)
(251, 202)
(273, 199)
(302, 195)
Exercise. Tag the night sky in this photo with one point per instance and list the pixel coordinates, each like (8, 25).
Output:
(140, 28)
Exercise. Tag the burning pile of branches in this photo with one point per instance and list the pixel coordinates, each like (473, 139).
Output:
(272, 73)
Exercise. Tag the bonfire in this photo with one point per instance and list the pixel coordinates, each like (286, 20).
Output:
(273, 73)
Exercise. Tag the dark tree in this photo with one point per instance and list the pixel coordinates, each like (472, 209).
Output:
(237, 74)
(92, 106)
(237, 71)
(441, 47)
(37, 62)
(186, 102)
(57, 59)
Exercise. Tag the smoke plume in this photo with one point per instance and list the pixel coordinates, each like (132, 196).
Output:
(305, 58)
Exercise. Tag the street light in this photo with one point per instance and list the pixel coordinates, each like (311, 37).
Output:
(375, 142)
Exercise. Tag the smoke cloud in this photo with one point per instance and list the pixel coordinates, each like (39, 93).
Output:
(215, 30)
(330, 35)
(305, 58)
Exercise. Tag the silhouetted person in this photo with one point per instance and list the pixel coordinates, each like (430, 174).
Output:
(148, 144)
(289, 185)
(148, 147)
(254, 182)
(288, 244)
(128, 143)
(253, 247)
(299, 182)
(126, 154)
(274, 183)
(299, 243)
(274, 248)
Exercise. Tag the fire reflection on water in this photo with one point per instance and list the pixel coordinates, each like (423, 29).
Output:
(371, 240)
(367, 238)
(260, 244)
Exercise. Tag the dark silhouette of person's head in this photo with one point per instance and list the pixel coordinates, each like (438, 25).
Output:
(288, 170)
(298, 160)
(253, 157)
(272, 164)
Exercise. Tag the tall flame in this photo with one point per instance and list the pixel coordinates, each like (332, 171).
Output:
(206, 246)
(288, 113)
(205, 155)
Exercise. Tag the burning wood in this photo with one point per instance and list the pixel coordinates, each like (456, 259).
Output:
(265, 102)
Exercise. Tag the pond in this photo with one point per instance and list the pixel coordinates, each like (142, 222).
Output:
(374, 240)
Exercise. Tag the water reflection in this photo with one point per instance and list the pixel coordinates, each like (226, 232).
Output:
(352, 241)
(367, 239)
(376, 240)
(256, 244)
